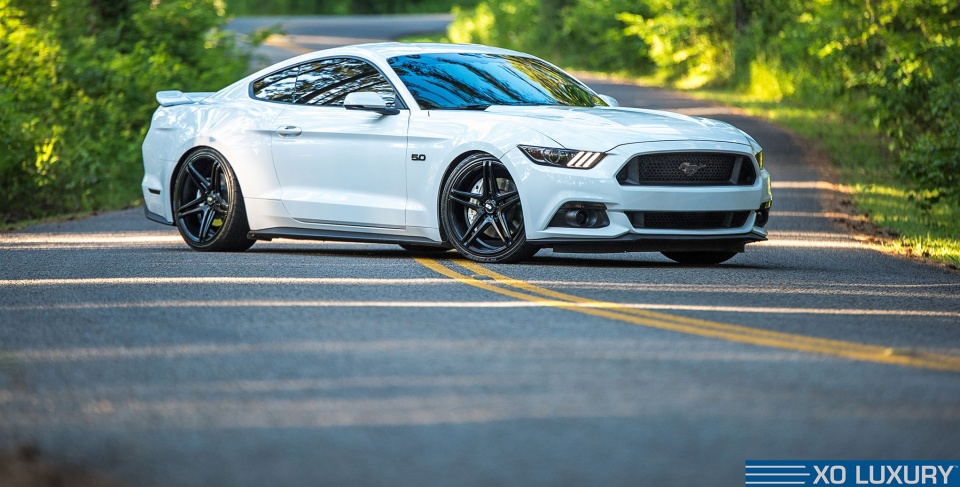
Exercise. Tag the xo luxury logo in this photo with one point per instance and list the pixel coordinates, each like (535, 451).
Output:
(852, 473)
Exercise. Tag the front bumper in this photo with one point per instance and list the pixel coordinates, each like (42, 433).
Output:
(546, 189)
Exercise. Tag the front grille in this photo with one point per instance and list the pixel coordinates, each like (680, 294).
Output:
(688, 220)
(688, 168)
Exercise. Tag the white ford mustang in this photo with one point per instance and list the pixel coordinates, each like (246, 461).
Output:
(494, 153)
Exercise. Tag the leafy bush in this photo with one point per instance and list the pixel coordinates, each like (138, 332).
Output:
(341, 7)
(582, 33)
(509, 24)
(687, 40)
(77, 86)
(605, 42)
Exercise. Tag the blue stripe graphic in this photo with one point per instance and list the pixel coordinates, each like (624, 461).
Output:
(776, 473)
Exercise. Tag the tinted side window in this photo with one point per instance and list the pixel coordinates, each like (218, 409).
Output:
(329, 81)
(277, 87)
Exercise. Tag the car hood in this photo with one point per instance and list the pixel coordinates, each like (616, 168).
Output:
(603, 128)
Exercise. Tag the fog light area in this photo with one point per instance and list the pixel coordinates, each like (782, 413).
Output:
(581, 215)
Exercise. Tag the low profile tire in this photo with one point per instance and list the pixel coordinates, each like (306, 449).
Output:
(699, 258)
(481, 212)
(208, 205)
(424, 249)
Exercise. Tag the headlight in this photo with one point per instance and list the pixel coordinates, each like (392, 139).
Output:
(759, 156)
(548, 156)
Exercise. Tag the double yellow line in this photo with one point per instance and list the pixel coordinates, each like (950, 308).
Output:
(525, 291)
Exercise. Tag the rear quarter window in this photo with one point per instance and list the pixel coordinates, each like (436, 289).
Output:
(279, 87)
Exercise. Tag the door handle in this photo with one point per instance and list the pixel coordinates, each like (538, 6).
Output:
(289, 131)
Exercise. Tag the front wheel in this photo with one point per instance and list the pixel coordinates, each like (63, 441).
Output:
(699, 258)
(481, 212)
(208, 205)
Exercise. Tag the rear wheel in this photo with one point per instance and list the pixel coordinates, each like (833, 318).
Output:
(481, 212)
(699, 258)
(208, 205)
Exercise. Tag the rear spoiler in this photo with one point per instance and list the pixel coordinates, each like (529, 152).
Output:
(172, 98)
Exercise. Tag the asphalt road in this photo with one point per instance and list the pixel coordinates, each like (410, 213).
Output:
(300, 363)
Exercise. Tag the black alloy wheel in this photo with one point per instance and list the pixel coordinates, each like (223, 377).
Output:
(481, 212)
(208, 205)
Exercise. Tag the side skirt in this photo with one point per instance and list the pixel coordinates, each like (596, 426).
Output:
(309, 234)
(155, 217)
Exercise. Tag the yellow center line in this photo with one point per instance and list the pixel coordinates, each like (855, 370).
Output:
(525, 291)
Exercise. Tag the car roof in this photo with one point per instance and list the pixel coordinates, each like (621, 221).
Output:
(392, 49)
(386, 50)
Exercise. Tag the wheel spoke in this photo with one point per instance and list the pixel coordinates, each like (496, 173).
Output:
(466, 199)
(508, 200)
(474, 231)
(190, 208)
(503, 230)
(205, 223)
(215, 172)
(183, 214)
(489, 181)
(198, 178)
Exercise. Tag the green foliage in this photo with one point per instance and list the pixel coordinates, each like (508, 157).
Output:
(933, 159)
(77, 85)
(688, 40)
(584, 32)
(607, 45)
(895, 63)
(341, 7)
(505, 24)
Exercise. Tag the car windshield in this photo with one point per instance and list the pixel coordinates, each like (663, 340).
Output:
(474, 81)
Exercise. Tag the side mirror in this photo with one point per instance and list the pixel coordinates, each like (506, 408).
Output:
(610, 100)
(369, 101)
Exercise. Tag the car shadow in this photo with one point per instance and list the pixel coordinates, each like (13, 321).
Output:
(599, 261)
(550, 260)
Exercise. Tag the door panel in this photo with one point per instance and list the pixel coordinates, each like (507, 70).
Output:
(342, 167)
